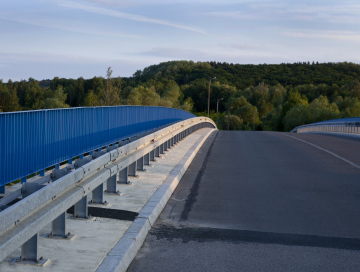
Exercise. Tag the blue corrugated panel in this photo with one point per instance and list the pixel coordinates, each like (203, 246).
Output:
(34, 140)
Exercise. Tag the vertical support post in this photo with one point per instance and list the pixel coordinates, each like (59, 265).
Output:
(111, 186)
(123, 176)
(42, 172)
(81, 209)
(23, 180)
(165, 146)
(59, 228)
(57, 166)
(132, 170)
(30, 249)
(162, 148)
(152, 155)
(2, 189)
(157, 151)
(147, 159)
(140, 164)
(98, 195)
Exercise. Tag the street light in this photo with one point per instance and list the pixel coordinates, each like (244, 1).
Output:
(217, 109)
(229, 117)
(209, 96)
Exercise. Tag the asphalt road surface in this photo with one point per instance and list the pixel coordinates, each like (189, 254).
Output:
(262, 201)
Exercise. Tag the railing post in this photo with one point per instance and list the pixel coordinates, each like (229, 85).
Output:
(123, 176)
(157, 151)
(98, 195)
(59, 229)
(81, 210)
(2, 189)
(132, 170)
(162, 148)
(152, 156)
(30, 249)
(140, 164)
(111, 186)
(147, 159)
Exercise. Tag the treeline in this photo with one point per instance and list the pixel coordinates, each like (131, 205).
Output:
(281, 96)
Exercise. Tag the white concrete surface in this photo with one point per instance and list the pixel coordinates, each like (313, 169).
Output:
(95, 239)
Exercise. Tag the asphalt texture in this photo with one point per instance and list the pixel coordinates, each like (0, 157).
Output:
(262, 201)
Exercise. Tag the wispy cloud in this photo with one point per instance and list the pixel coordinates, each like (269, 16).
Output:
(126, 16)
(55, 23)
(334, 35)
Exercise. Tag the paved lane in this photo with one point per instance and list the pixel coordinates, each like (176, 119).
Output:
(262, 201)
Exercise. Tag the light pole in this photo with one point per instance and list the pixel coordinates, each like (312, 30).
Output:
(229, 117)
(209, 96)
(217, 110)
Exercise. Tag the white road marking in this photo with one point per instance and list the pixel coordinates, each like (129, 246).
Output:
(327, 151)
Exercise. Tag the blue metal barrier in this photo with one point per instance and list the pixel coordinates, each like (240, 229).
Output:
(34, 140)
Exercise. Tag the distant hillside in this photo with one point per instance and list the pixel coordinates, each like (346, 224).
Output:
(242, 76)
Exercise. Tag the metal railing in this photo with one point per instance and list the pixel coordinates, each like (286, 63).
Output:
(32, 141)
(67, 187)
(344, 125)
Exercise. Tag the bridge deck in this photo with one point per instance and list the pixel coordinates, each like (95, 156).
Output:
(262, 201)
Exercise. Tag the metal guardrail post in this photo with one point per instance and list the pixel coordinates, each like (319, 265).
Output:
(98, 195)
(59, 230)
(81, 209)
(165, 144)
(162, 148)
(30, 249)
(157, 151)
(132, 170)
(147, 159)
(2, 189)
(111, 186)
(123, 176)
(140, 164)
(152, 156)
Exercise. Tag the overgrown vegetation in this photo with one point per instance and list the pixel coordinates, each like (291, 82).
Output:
(281, 96)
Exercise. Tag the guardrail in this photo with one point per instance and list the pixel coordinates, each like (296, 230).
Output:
(21, 222)
(32, 141)
(344, 125)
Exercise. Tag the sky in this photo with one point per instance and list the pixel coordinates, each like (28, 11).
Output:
(43, 39)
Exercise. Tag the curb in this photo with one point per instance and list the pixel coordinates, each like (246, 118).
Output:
(121, 255)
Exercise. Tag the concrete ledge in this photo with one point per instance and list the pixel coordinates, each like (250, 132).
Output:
(122, 254)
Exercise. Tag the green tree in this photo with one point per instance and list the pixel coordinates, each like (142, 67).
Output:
(111, 94)
(58, 99)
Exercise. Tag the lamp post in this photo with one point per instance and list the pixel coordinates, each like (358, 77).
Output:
(209, 96)
(229, 118)
(217, 110)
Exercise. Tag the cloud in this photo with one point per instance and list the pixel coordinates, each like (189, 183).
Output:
(55, 23)
(334, 35)
(127, 16)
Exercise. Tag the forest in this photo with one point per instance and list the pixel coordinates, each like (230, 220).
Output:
(280, 96)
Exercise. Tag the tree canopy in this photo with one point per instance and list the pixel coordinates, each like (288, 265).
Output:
(282, 96)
